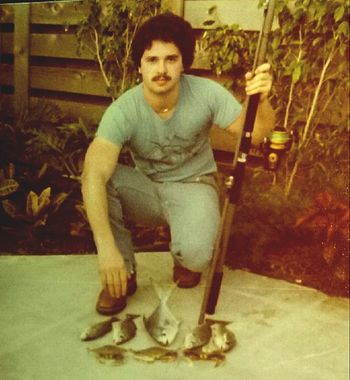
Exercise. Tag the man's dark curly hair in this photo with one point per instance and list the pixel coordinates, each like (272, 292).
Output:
(165, 27)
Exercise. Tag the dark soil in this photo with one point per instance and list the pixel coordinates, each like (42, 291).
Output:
(300, 264)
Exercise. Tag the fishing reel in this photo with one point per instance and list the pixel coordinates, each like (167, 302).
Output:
(275, 146)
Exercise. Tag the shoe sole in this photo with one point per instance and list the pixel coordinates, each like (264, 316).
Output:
(187, 286)
(110, 311)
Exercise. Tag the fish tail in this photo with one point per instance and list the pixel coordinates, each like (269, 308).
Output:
(169, 292)
(132, 316)
(163, 296)
(156, 288)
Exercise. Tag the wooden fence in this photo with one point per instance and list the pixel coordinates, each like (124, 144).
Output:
(38, 55)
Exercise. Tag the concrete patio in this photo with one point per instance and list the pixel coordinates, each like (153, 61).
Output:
(284, 331)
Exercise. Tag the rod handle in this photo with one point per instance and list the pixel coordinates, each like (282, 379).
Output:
(214, 292)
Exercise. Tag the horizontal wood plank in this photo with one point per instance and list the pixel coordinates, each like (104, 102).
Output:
(65, 46)
(80, 81)
(89, 111)
(60, 45)
(69, 79)
(54, 13)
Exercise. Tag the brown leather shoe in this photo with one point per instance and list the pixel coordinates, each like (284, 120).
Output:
(108, 305)
(132, 284)
(184, 277)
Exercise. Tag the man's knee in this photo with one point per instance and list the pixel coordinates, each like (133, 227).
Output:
(193, 255)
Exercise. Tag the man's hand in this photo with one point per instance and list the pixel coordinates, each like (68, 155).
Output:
(259, 82)
(113, 272)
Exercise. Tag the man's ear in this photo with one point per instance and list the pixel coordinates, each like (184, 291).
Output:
(139, 70)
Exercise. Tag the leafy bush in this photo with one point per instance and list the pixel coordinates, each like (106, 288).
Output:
(108, 32)
(311, 78)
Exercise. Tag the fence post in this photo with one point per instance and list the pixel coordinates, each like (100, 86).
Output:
(21, 58)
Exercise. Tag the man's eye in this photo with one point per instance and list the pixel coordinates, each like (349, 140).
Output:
(172, 59)
(152, 59)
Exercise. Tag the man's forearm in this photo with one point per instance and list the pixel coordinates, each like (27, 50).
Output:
(95, 201)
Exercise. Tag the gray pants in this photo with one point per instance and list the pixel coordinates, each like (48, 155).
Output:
(191, 209)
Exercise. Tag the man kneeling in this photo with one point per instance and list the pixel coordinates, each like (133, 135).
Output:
(165, 122)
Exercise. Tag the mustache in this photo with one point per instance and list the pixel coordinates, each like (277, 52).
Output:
(160, 77)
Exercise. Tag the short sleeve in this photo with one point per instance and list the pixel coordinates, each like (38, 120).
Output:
(113, 126)
(224, 106)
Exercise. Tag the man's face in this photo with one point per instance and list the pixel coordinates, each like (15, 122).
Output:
(161, 67)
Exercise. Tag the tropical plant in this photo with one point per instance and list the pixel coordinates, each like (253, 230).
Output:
(8, 184)
(37, 208)
(61, 145)
(108, 31)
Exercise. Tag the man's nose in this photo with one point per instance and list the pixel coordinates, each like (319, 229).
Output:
(162, 67)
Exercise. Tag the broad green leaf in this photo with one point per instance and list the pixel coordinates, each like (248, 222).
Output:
(44, 199)
(32, 208)
(339, 13)
(8, 186)
(10, 208)
(344, 29)
(296, 73)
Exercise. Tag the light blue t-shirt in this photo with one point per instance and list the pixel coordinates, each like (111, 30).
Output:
(176, 149)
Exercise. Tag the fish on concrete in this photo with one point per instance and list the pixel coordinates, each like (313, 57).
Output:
(196, 354)
(98, 329)
(222, 339)
(199, 336)
(151, 354)
(162, 324)
(125, 329)
(109, 352)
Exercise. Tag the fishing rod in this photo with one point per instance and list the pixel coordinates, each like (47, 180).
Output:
(234, 181)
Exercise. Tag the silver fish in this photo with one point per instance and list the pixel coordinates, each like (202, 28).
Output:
(98, 329)
(199, 336)
(222, 339)
(109, 352)
(162, 324)
(152, 354)
(124, 330)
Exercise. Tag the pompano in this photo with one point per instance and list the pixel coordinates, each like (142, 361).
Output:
(162, 324)
(222, 339)
(109, 352)
(152, 354)
(124, 330)
(98, 329)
